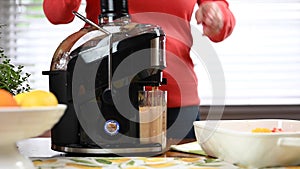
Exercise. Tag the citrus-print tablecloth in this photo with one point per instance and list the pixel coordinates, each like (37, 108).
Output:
(135, 163)
(201, 162)
(129, 163)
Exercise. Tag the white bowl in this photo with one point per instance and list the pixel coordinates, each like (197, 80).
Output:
(20, 123)
(233, 141)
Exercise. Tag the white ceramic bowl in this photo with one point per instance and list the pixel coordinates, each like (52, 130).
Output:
(233, 141)
(21, 123)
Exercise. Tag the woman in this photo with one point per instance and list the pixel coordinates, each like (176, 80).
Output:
(174, 18)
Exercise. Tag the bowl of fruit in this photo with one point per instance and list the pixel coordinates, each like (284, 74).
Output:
(253, 143)
(22, 116)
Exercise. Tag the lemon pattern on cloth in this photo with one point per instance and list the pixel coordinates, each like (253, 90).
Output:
(130, 163)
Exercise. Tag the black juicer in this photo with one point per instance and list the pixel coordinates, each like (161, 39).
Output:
(98, 77)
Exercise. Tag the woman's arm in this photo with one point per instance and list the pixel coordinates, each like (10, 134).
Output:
(60, 11)
(217, 20)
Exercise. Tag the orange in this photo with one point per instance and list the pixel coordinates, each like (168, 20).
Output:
(7, 99)
(36, 98)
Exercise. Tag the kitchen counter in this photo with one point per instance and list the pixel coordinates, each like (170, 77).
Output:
(41, 147)
(39, 151)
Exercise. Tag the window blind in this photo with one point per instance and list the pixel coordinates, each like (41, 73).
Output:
(29, 39)
(261, 59)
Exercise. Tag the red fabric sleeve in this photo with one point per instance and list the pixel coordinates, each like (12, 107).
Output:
(60, 11)
(228, 17)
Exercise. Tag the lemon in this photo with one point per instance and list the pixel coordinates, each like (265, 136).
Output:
(36, 98)
(19, 97)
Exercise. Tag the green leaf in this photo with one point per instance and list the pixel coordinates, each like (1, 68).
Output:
(81, 161)
(211, 160)
(130, 162)
(200, 152)
(103, 161)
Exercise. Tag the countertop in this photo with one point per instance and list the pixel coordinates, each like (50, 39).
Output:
(41, 147)
(39, 152)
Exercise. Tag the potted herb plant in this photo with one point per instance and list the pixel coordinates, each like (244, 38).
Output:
(12, 78)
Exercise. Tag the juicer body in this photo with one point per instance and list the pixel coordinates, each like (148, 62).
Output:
(99, 81)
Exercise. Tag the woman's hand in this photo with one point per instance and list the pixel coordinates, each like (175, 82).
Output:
(60, 11)
(210, 16)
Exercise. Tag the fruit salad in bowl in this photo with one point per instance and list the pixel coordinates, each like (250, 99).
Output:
(253, 143)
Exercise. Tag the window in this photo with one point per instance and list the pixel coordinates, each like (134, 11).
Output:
(30, 39)
(261, 59)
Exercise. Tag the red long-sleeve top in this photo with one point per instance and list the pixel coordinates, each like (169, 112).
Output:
(174, 18)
